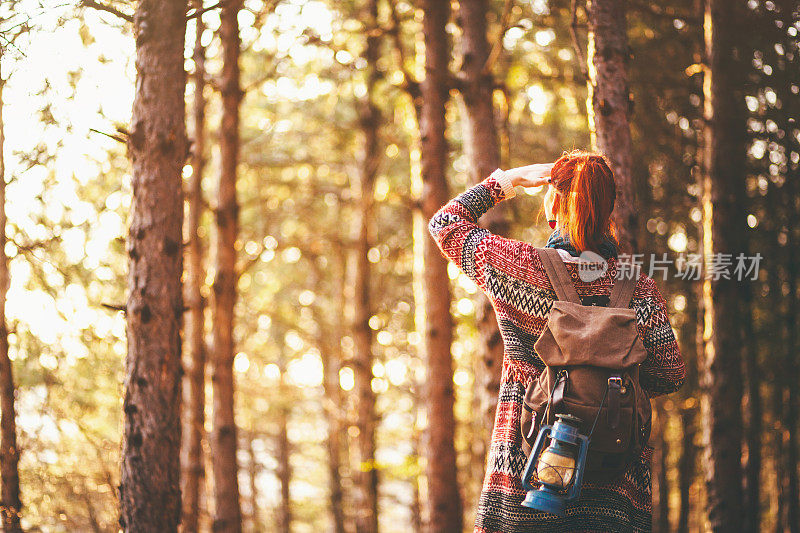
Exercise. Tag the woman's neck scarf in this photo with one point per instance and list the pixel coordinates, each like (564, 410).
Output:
(608, 248)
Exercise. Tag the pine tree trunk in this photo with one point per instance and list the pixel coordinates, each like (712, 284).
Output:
(659, 471)
(369, 118)
(791, 377)
(691, 341)
(194, 397)
(608, 107)
(150, 498)
(776, 370)
(481, 143)
(284, 467)
(686, 468)
(228, 514)
(753, 405)
(330, 353)
(253, 471)
(10, 503)
(724, 227)
(334, 443)
(443, 497)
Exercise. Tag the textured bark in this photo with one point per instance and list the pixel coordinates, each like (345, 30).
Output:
(194, 397)
(609, 104)
(10, 503)
(443, 497)
(481, 142)
(228, 514)
(724, 228)
(150, 485)
(366, 494)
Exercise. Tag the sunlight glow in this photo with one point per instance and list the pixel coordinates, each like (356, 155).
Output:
(306, 371)
(347, 379)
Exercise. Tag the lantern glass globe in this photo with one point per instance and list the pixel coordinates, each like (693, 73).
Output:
(555, 468)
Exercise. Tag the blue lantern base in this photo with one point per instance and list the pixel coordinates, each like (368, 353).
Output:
(544, 499)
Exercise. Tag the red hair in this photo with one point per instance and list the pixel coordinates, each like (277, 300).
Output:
(586, 194)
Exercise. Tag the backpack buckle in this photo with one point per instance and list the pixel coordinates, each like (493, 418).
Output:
(614, 386)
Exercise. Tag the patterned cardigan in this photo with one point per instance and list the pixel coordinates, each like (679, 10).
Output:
(511, 274)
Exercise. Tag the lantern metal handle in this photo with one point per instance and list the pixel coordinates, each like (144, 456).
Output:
(532, 458)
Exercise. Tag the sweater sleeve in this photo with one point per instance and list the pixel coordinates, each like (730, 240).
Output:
(663, 371)
(474, 249)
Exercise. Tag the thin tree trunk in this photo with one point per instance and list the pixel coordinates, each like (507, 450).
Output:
(150, 498)
(284, 471)
(609, 104)
(253, 471)
(481, 143)
(228, 514)
(10, 503)
(416, 500)
(366, 519)
(753, 406)
(691, 341)
(443, 497)
(791, 377)
(686, 468)
(661, 485)
(724, 227)
(330, 353)
(283, 447)
(195, 357)
(776, 370)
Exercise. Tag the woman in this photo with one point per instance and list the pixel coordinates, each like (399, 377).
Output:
(578, 204)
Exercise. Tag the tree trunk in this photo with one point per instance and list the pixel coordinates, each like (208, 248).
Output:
(753, 405)
(661, 485)
(481, 143)
(369, 118)
(791, 376)
(443, 496)
(686, 468)
(150, 498)
(10, 503)
(284, 466)
(724, 228)
(228, 514)
(330, 352)
(195, 357)
(691, 343)
(776, 370)
(253, 471)
(609, 104)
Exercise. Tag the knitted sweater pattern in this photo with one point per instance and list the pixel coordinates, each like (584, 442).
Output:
(511, 274)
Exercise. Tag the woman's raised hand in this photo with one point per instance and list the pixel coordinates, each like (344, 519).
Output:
(530, 175)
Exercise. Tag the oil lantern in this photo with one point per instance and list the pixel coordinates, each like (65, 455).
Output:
(558, 468)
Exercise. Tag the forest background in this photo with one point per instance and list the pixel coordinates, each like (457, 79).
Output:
(308, 382)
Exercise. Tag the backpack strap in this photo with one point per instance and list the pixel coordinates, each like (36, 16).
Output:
(558, 275)
(622, 291)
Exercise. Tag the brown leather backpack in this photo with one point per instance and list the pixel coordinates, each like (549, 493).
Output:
(592, 356)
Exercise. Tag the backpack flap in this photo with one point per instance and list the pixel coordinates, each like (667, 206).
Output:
(587, 335)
